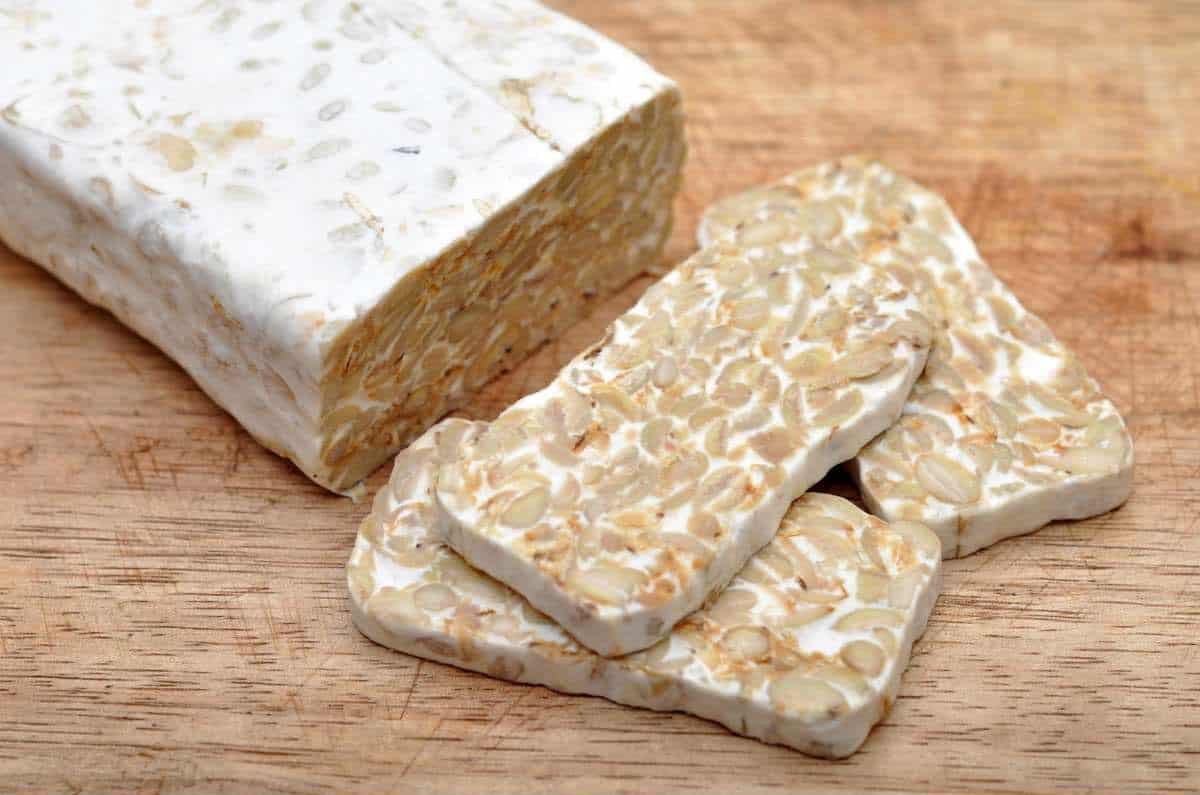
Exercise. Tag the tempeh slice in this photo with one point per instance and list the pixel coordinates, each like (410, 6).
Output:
(805, 648)
(1005, 431)
(657, 462)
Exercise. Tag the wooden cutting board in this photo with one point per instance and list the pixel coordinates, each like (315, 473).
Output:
(172, 610)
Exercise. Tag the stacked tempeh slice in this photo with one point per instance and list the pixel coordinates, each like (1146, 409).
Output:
(674, 455)
(1005, 431)
(645, 475)
(805, 647)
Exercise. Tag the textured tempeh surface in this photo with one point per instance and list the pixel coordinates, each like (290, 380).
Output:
(1004, 431)
(312, 230)
(173, 615)
(634, 485)
(804, 648)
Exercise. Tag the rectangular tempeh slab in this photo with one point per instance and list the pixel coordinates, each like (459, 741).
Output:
(804, 648)
(341, 218)
(1004, 432)
(656, 463)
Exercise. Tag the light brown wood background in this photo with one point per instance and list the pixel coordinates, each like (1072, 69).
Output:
(172, 609)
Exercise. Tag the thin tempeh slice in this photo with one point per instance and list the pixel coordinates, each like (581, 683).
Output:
(1005, 431)
(805, 648)
(657, 462)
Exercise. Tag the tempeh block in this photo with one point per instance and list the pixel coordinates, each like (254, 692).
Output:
(805, 648)
(338, 227)
(1005, 431)
(657, 462)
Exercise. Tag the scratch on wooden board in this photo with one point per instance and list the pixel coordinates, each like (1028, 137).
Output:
(425, 741)
(412, 686)
(496, 723)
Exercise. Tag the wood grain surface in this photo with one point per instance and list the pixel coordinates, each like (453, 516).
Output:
(172, 610)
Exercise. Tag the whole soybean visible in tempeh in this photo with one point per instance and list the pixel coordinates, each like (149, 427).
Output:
(657, 462)
(805, 647)
(1004, 431)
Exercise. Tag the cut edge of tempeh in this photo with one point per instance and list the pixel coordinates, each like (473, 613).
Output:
(832, 350)
(812, 668)
(588, 98)
(504, 291)
(1005, 432)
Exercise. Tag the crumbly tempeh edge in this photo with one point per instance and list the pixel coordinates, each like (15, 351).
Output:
(537, 267)
(805, 648)
(1005, 431)
(657, 462)
(531, 272)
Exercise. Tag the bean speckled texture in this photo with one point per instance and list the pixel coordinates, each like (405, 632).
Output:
(315, 222)
(175, 620)
(732, 386)
(1004, 431)
(805, 648)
